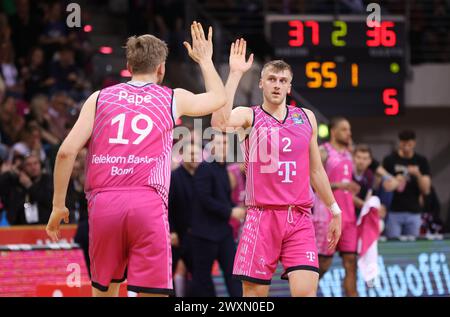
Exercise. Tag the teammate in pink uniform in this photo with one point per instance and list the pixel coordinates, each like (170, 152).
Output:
(236, 173)
(282, 158)
(338, 163)
(129, 128)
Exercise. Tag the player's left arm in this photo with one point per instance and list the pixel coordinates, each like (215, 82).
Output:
(67, 153)
(321, 184)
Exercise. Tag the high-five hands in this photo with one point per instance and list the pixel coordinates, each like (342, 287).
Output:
(237, 57)
(201, 50)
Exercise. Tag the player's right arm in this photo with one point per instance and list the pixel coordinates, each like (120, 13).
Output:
(227, 118)
(65, 159)
(201, 51)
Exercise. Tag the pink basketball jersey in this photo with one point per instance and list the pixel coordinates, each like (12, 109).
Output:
(339, 167)
(277, 159)
(131, 141)
(238, 193)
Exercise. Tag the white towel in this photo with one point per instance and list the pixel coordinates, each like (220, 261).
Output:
(368, 233)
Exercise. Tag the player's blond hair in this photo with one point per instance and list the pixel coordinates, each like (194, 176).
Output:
(144, 53)
(278, 66)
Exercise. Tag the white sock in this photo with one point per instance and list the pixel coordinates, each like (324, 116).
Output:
(180, 284)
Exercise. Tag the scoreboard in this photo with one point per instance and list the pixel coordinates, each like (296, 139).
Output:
(342, 65)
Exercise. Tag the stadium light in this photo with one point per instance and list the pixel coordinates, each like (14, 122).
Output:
(106, 50)
(125, 73)
(323, 131)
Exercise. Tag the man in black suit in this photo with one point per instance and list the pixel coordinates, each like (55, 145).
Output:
(181, 200)
(212, 235)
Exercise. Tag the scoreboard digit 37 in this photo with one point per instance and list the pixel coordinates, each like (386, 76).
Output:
(342, 65)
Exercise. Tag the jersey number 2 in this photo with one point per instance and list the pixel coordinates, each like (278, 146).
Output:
(288, 144)
(143, 133)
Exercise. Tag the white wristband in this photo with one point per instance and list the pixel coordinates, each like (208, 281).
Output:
(335, 210)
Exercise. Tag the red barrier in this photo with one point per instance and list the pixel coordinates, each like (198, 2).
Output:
(33, 234)
(62, 290)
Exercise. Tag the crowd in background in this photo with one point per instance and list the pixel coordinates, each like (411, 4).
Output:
(44, 71)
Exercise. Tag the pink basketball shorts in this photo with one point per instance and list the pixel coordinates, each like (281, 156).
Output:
(129, 239)
(347, 242)
(272, 235)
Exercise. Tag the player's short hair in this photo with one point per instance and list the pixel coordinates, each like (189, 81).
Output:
(278, 66)
(145, 52)
(407, 135)
(334, 122)
(364, 148)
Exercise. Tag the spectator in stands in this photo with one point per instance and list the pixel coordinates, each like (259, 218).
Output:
(30, 143)
(8, 69)
(2, 88)
(181, 204)
(5, 29)
(26, 27)
(64, 72)
(35, 74)
(39, 115)
(383, 183)
(413, 174)
(54, 33)
(4, 151)
(364, 177)
(26, 192)
(59, 112)
(212, 235)
(138, 16)
(11, 123)
(79, 41)
(169, 20)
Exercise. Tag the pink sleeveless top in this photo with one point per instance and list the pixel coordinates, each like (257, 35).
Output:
(339, 167)
(277, 159)
(238, 193)
(131, 141)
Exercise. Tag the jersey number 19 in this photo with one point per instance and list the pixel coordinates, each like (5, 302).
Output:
(143, 133)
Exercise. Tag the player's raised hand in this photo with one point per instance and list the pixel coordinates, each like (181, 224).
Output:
(237, 57)
(202, 47)
(334, 231)
(54, 222)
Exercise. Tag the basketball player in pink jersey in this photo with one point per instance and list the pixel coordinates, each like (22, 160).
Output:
(278, 225)
(129, 128)
(338, 163)
(236, 174)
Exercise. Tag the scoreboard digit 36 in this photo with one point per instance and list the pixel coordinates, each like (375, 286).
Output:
(342, 65)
